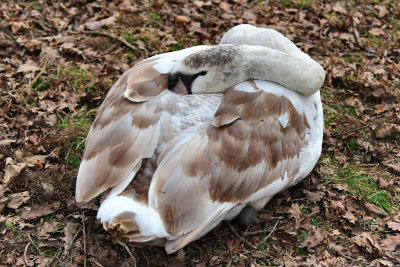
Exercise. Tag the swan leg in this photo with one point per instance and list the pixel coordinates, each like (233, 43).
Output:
(247, 216)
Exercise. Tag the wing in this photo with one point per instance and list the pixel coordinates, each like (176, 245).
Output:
(250, 151)
(127, 129)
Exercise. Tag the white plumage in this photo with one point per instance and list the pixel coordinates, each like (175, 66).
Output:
(187, 139)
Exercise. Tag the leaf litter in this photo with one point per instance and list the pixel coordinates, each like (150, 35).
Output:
(59, 59)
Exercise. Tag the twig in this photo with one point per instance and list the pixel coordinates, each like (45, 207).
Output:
(25, 253)
(258, 232)
(97, 263)
(129, 251)
(270, 233)
(352, 259)
(247, 243)
(229, 262)
(66, 251)
(352, 130)
(84, 239)
(40, 74)
(109, 36)
(357, 36)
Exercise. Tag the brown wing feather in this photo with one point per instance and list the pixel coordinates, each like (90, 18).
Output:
(123, 131)
(229, 163)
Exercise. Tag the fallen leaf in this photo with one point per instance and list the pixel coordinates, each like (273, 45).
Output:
(6, 108)
(38, 211)
(314, 196)
(382, 11)
(11, 171)
(375, 31)
(375, 209)
(350, 217)
(70, 230)
(181, 19)
(391, 242)
(394, 225)
(28, 67)
(17, 199)
(314, 238)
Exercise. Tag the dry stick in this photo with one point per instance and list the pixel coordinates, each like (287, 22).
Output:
(97, 263)
(258, 232)
(352, 130)
(250, 245)
(66, 251)
(40, 74)
(129, 251)
(110, 36)
(352, 259)
(229, 262)
(270, 233)
(357, 36)
(84, 239)
(25, 253)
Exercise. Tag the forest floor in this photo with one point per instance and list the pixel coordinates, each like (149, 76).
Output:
(58, 59)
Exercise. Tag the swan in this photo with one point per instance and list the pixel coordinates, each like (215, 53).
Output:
(187, 139)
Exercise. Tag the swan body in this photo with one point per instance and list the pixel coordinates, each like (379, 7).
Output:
(187, 139)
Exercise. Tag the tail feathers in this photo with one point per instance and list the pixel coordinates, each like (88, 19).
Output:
(131, 219)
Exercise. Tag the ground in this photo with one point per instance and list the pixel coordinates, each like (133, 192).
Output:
(59, 59)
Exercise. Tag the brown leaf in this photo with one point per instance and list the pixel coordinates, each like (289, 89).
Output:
(314, 238)
(349, 216)
(376, 210)
(394, 167)
(12, 170)
(394, 225)
(157, 4)
(38, 211)
(339, 8)
(314, 196)
(391, 242)
(6, 108)
(375, 31)
(30, 66)
(383, 183)
(18, 199)
(379, 109)
(382, 11)
(182, 19)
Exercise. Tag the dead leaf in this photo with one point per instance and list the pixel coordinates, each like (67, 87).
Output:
(375, 209)
(379, 109)
(375, 31)
(50, 54)
(30, 66)
(11, 171)
(391, 242)
(38, 211)
(339, 8)
(394, 167)
(6, 108)
(382, 11)
(350, 217)
(69, 232)
(17, 199)
(182, 19)
(394, 225)
(314, 196)
(314, 238)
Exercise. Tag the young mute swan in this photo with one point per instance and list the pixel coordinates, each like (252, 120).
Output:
(187, 139)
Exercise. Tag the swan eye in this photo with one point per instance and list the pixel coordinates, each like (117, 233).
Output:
(203, 73)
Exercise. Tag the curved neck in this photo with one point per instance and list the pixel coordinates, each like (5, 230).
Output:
(295, 71)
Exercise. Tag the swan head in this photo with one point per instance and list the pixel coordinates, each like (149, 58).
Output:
(213, 70)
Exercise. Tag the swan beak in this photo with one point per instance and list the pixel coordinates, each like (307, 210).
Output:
(180, 88)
